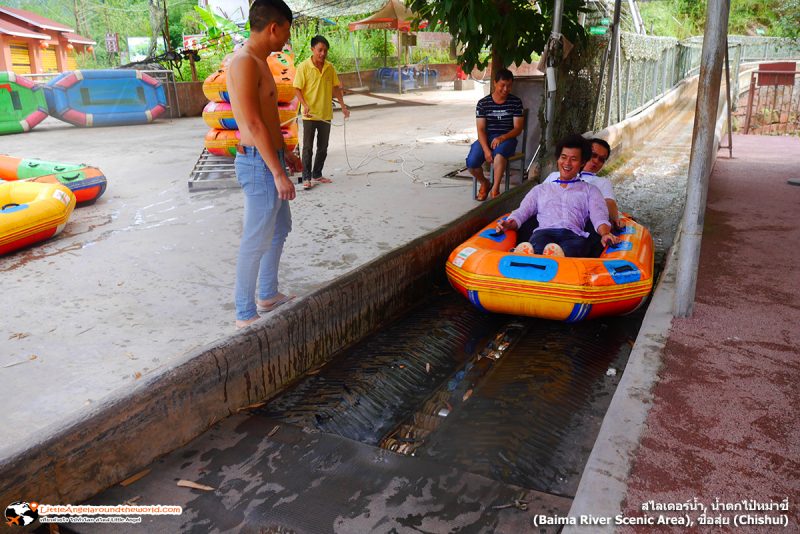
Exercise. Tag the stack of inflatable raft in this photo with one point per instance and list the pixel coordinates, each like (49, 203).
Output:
(223, 138)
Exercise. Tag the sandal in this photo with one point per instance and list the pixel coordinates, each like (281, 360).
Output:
(307, 184)
(483, 192)
(323, 180)
(264, 308)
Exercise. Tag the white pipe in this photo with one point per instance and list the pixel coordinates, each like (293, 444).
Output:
(555, 37)
(702, 155)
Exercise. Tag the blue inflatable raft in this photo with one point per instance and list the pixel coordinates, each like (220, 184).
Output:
(105, 97)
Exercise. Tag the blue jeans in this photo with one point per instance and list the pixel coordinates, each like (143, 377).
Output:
(267, 222)
(573, 245)
(475, 158)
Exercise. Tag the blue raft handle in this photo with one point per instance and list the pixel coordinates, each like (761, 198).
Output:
(534, 265)
(9, 205)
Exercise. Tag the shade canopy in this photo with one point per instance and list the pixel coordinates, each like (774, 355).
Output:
(392, 16)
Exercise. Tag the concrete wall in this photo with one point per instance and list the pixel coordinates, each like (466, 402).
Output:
(191, 99)
(125, 434)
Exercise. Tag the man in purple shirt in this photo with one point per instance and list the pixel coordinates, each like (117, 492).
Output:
(563, 206)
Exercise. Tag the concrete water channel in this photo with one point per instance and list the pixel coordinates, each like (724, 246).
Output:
(442, 419)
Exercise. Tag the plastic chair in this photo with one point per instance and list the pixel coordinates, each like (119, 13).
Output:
(519, 156)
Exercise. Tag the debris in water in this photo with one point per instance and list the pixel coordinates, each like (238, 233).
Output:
(273, 431)
(251, 406)
(130, 480)
(194, 485)
(467, 395)
(611, 372)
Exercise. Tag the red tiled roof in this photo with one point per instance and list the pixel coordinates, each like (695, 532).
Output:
(9, 28)
(77, 39)
(34, 19)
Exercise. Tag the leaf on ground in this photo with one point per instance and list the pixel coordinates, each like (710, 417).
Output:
(19, 335)
(20, 362)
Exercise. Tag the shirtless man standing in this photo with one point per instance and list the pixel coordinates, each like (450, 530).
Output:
(260, 162)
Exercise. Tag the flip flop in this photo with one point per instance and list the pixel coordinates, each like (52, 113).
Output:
(283, 300)
(324, 180)
(483, 192)
(308, 184)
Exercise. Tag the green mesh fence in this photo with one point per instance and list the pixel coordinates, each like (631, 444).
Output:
(646, 69)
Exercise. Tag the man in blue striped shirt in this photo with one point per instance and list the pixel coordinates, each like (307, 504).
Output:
(499, 119)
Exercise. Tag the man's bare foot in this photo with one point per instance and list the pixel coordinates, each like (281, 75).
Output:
(246, 322)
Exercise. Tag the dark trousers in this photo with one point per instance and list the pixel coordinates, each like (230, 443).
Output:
(526, 230)
(323, 131)
(573, 245)
(525, 233)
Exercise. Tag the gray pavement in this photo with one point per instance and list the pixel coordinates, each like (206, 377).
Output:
(146, 274)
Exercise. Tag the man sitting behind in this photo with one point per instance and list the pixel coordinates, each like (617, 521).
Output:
(562, 207)
(499, 121)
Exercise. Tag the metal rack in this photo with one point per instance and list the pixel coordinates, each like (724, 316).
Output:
(212, 172)
(167, 79)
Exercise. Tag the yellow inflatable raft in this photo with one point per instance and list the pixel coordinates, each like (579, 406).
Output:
(566, 289)
(32, 212)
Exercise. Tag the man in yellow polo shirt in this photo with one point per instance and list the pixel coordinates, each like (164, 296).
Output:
(315, 83)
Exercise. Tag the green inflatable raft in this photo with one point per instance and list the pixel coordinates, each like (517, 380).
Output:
(22, 103)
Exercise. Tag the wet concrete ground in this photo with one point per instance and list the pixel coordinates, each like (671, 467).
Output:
(146, 274)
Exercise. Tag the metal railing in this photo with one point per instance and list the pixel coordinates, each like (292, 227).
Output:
(773, 102)
(649, 67)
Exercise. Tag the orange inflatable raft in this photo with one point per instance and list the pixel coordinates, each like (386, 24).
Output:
(219, 115)
(566, 289)
(215, 87)
(224, 142)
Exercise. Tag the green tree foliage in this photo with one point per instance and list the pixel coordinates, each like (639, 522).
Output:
(788, 23)
(685, 18)
(513, 29)
(368, 44)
